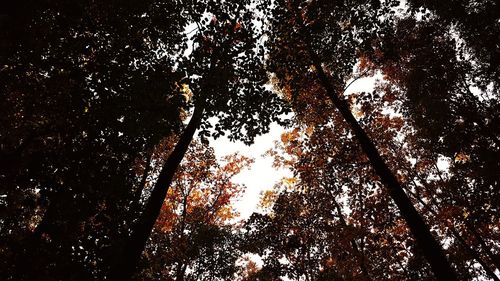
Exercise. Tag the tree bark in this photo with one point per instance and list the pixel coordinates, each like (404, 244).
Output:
(124, 267)
(428, 244)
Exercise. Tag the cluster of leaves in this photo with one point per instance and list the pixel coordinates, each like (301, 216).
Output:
(192, 239)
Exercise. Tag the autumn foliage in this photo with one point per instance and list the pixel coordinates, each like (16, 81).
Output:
(389, 109)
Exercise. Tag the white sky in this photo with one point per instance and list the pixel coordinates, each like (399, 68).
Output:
(262, 175)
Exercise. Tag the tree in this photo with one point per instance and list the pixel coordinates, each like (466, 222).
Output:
(365, 237)
(98, 162)
(475, 22)
(313, 28)
(103, 54)
(85, 95)
(192, 239)
(225, 74)
(423, 69)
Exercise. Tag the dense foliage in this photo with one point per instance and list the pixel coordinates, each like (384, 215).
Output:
(108, 108)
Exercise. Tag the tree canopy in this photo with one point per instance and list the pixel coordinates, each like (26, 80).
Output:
(109, 111)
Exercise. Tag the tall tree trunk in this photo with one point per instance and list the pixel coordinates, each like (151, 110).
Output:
(124, 267)
(428, 244)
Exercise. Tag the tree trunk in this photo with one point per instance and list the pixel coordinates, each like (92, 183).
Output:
(428, 244)
(124, 267)
(430, 247)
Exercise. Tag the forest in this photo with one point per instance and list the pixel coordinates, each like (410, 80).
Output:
(109, 112)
